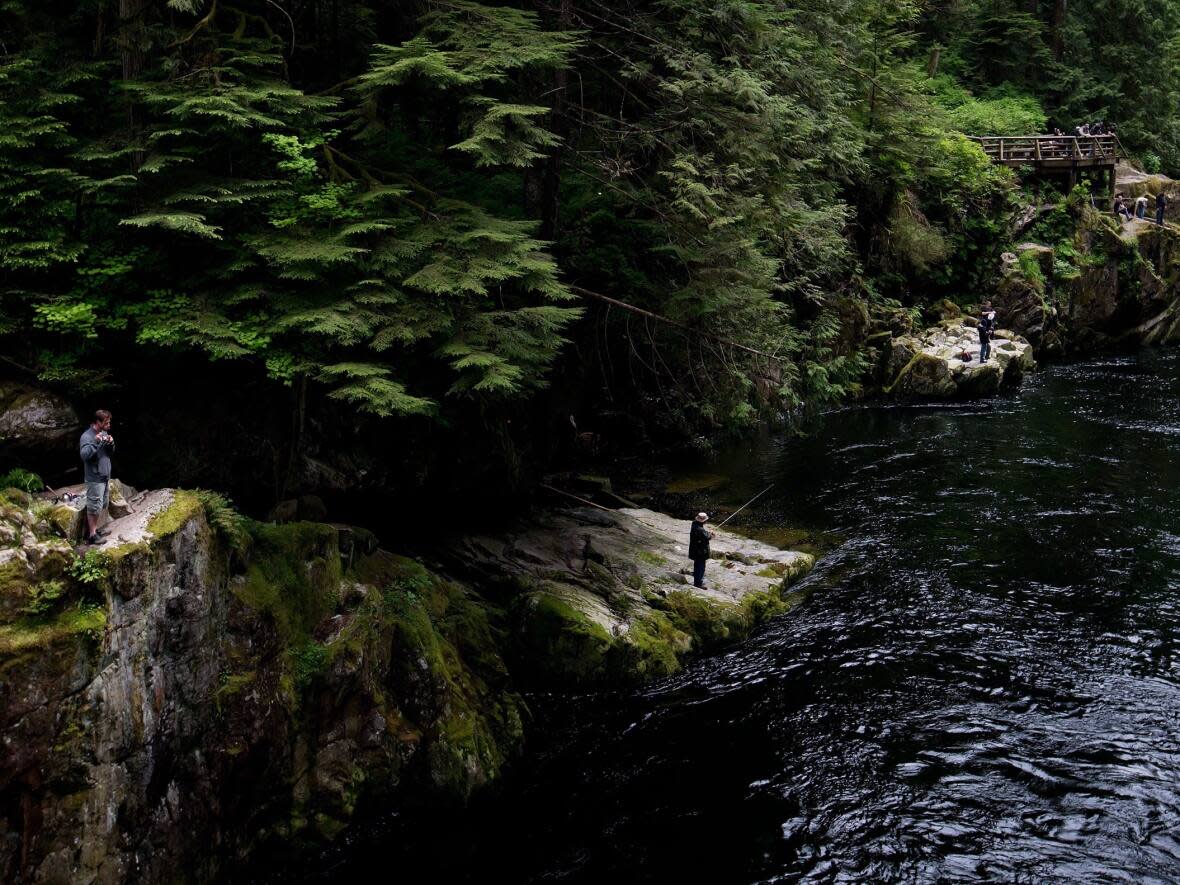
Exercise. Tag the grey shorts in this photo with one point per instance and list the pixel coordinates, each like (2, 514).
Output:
(98, 496)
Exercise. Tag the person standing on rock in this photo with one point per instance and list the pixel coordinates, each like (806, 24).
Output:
(1141, 206)
(987, 325)
(1161, 203)
(95, 447)
(698, 548)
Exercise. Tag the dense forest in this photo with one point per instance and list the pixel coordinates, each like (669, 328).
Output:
(484, 231)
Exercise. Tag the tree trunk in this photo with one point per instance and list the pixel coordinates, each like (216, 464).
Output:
(932, 61)
(551, 179)
(1058, 26)
(131, 36)
(132, 39)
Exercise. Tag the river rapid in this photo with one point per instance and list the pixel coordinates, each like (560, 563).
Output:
(983, 683)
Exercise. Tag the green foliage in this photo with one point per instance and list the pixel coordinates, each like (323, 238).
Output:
(1010, 115)
(93, 569)
(308, 661)
(225, 520)
(1030, 267)
(25, 480)
(1152, 163)
(44, 598)
(391, 209)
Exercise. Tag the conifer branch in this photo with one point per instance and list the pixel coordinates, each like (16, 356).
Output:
(615, 302)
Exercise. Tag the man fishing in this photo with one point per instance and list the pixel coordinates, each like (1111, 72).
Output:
(698, 548)
(95, 448)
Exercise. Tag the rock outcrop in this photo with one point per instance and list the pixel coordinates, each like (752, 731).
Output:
(1110, 286)
(36, 424)
(168, 704)
(599, 596)
(205, 689)
(943, 362)
(1132, 182)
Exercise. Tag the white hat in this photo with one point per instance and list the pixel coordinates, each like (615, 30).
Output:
(702, 516)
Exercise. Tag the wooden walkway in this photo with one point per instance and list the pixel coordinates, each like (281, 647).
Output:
(1048, 154)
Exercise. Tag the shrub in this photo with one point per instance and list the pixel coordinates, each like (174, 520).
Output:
(91, 569)
(43, 598)
(1010, 115)
(25, 480)
(224, 519)
(310, 660)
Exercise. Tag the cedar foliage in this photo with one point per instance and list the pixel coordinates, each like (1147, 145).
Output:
(352, 194)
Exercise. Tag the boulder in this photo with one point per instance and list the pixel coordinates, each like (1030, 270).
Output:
(1132, 182)
(1042, 255)
(1025, 309)
(284, 511)
(35, 422)
(932, 365)
(602, 596)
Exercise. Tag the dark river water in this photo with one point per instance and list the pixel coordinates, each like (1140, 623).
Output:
(983, 684)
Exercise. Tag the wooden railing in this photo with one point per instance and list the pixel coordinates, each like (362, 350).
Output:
(1030, 150)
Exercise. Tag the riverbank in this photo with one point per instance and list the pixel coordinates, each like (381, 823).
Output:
(982, 684)
(206, 686)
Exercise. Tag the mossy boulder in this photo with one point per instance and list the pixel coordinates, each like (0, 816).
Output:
(943, 363)
(604, 598)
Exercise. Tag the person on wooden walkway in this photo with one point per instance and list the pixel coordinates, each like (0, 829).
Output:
(698, 548)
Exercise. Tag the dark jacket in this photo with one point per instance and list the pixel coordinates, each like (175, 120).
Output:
(1161, 201)
(698, 542)
(96, 457)
(987, 325)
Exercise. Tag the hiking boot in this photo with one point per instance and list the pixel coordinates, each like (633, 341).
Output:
(95, 540)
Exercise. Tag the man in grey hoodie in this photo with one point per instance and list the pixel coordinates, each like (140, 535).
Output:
(95, 447)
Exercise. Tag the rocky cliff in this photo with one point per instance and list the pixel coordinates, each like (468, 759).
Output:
(1080, 282)
(1085, 281)
(205, 686)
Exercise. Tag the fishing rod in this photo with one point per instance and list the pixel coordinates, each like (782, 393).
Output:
(744, 506)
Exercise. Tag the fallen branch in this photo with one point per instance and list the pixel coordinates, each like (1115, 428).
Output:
(586, 293)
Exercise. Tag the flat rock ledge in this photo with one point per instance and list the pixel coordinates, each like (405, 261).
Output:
(607, 595)
(943, 362)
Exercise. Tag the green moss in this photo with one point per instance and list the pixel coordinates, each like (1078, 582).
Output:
(447, 674)
(118, 554)
(651, 558)
(556, 643)
(708, 622)
(329, 827)
(62, 517)
(293, 575)
(30, 633)
(231, 685)
(651, 649)
(14, 583)
(183, 507)
(759, 607)
(308, 660)
(16, 497)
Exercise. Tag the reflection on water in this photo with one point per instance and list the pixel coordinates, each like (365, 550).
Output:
(982, 685)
